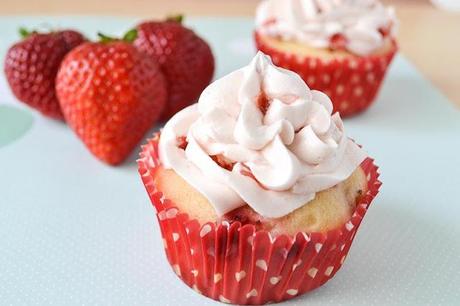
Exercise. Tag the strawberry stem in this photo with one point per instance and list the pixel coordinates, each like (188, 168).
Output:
(105, 38)
(175, 18)
(129, 37)
(23, 32)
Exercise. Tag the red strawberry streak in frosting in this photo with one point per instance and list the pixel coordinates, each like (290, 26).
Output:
(182, 142)
(262, 102)
(338, 42)
(220, 160)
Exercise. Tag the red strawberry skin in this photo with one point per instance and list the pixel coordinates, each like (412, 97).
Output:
(31, 66)
(185, 59)
(110, 94)
(71, 38)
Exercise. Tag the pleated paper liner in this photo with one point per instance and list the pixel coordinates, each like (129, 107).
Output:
(237, 264)
(351, 83)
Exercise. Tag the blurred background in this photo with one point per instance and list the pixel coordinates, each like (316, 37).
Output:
(428, 34)
(75, 231)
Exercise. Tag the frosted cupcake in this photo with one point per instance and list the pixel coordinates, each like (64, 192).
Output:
(258, 190)
(341, 47)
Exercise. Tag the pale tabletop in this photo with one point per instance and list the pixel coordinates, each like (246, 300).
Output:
(427, 36)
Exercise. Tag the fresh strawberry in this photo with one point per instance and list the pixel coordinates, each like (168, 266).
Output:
(31, 66)
(110, 94)
(185, 59)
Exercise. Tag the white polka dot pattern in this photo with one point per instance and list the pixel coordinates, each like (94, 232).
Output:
(275, 280)
(329, 270)
(318, 247)
(262, 264)
(312, 272)
(217, 278)
(251, 293)
(240, 275)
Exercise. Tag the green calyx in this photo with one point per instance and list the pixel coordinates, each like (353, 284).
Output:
(43, 28)
(128, 37)
(24, 33)
(179, 18)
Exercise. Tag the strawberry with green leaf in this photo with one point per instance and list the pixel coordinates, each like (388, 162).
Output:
(110, 94)
(31, 66)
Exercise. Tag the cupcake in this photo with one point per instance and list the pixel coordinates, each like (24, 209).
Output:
(342, 48)
(258, 190)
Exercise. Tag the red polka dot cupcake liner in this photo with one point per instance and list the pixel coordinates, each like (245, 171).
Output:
(238, 264)
(351, 83)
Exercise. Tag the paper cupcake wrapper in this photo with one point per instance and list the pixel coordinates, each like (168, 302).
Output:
(241, 265)
(351, 83)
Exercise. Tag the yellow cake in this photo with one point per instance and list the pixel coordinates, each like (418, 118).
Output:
(304, 50)
(330, 209)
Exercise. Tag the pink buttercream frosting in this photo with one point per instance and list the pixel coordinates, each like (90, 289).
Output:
(281, 153)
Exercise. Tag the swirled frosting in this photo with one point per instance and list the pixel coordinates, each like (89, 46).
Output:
(259, 136)
(362, 24)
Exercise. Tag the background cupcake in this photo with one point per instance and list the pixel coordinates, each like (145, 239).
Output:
(342, 48)
(258, 190)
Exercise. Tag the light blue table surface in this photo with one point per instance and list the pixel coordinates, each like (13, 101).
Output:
(74, 231)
